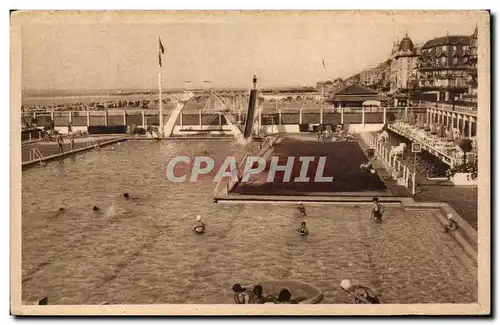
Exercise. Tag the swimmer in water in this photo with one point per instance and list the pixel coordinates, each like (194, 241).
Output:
(302, 209)
(59, 212)
(377, 211)
(199, 227)
(361, 294)
(95, 208)
(285, 297)
(303, 229)
(241, 295)
(258, 297)
(127, 196)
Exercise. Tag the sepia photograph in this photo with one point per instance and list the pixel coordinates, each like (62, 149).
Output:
(206, 162)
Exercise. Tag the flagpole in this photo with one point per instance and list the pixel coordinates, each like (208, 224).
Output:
(161, 104)
(161, 50)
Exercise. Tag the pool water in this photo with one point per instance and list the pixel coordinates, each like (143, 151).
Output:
(144, 251)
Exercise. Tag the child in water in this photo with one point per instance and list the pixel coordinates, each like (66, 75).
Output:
(284, 297)
(241, 295)
(362, 295)
(199, 227)
(127, 196)
(376, 211)
(452, 224)
(258, 296)
(302, 209)
(303, 229)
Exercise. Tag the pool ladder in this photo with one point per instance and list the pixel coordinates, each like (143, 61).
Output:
(91, 142)
(35, 154)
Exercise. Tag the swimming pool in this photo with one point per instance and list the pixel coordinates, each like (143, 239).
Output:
(144, 251)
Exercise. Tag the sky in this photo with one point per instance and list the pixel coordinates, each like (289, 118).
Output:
(120, 50)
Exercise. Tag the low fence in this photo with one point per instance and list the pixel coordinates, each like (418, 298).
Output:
(190, 117)
(458, 106)
(402, 174)
(30, 135)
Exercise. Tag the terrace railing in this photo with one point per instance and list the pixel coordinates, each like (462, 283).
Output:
(401, 173)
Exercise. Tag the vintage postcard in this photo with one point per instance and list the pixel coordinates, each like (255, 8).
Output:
(241, 162)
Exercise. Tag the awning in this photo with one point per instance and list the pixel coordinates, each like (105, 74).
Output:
(372, 103)
(350, 98)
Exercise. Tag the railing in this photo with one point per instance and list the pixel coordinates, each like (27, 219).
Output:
(457, 107)
(30, 137)
(449, 154)
(402, 174)
(36, 154)
(91, 142)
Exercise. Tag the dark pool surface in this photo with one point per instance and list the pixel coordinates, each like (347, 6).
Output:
(343, 160)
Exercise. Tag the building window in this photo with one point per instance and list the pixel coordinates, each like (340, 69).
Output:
(455, 60)
(443, 60)
(443, 48)
(454, 47)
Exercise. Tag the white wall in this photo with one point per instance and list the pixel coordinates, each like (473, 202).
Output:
(64, 129)
(294, 128)
(196, 129)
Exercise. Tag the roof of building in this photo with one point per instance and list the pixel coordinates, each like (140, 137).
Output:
(354, 93)
(406, 44)
(356, 98)
(474, 35)
(448, 40)
(355, 90)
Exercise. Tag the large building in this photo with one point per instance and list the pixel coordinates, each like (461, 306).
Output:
(442, 69)
(448, 67)
(403, 69)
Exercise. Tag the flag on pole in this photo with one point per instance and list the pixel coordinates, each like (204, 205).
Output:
(161, 50)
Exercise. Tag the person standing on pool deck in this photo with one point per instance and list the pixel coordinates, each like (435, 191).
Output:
(60, 143)
(72, 140)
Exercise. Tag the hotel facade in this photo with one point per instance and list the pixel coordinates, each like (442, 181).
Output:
(442, 69)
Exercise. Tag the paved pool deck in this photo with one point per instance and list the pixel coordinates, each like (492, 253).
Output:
(52, 148)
